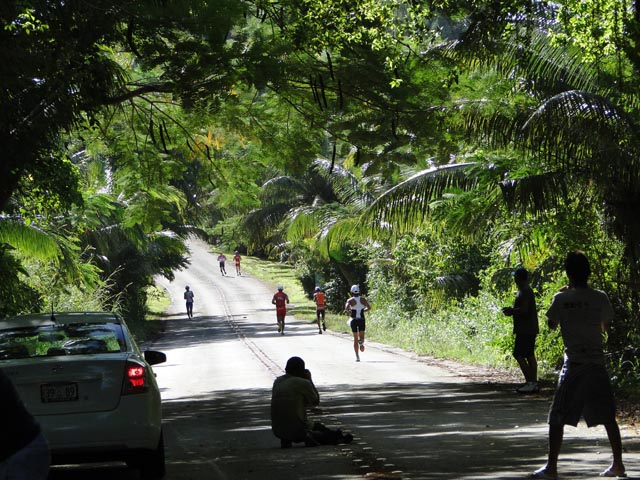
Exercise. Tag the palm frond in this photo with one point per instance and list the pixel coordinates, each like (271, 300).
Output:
(527, 242)
(574, 127)
(347, 187)
(406, 205)
(281, 187)
(457, 282)
(343, 232)
(467, 214)
(535, 193)
(29, 239)
(303, 222)
(548, 65)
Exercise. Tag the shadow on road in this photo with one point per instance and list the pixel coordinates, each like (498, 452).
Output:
(201, 330)
(461, 431)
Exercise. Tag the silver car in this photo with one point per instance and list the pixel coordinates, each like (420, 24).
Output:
(90, 387)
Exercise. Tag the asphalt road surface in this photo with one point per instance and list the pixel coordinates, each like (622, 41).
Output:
(412, 417)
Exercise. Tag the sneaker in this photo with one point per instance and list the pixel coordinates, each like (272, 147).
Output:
(324, 327)
(282, 332)
(609, 472)
(361, 341)
(357, 359)
(320, 331)
(529, 387)
(542, 473)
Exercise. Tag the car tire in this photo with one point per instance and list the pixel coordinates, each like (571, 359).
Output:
(151, 462)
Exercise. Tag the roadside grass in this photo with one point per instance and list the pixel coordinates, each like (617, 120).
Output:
(157, 303)
(274, 274)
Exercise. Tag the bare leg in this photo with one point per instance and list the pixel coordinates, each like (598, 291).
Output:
(613, 432)
(533, 368)
(529, 368)
(361, 342)
(355, 345)
(556, 432)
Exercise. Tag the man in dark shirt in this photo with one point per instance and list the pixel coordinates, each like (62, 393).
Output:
(525, 328)
(24, 453)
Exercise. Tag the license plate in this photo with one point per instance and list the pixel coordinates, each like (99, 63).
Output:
(59, 392)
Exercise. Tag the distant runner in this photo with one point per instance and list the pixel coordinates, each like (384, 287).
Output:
(188, 296)
(280, 300)
(319, 299)
(221, 260)
(236, 260)
(356, 306)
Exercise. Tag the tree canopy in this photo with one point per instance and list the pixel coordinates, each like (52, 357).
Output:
(341, 136)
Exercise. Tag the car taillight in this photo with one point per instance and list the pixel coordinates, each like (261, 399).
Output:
(135, 379)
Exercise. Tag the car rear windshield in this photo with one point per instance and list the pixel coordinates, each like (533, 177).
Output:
(64, 339)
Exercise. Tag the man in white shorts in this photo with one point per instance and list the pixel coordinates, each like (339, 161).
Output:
(584, 388)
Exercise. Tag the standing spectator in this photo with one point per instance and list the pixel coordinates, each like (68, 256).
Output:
(236, 260)
(188, 296)
(221, 261)
(320, 301)
(584, 388)
(24, 452)
(356, 306)
(280, 300)
(525, 328)
(291, 395)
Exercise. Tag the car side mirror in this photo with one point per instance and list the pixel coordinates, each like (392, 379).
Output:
(154, 357)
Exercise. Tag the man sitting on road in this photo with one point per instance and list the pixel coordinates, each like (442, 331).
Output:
(292, 394)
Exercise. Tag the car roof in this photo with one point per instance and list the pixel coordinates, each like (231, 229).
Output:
(40, 319)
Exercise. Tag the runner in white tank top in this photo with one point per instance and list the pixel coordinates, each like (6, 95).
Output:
(356, 306)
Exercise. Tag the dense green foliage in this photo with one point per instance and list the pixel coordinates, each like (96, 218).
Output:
(421, 149)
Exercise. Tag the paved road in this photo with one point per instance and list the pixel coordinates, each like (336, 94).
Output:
(412, 417)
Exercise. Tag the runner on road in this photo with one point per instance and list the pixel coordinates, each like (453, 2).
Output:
(280, 300)
(188, 296)
(221, 260)
(320, 301)
(356, 306)
(236, 259)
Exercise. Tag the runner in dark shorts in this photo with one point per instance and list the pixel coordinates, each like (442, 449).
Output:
(355, 307)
